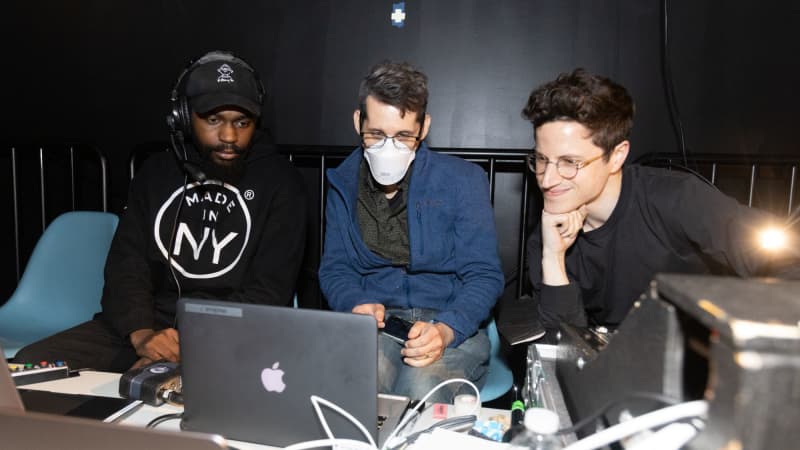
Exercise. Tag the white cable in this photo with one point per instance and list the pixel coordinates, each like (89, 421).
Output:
(421, 403)
(672, 437)
(351, 443)
(645, 421)
(316, 400)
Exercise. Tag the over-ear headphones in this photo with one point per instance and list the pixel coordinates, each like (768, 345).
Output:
(179, 119)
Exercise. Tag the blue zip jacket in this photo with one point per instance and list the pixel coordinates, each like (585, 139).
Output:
(454, 266)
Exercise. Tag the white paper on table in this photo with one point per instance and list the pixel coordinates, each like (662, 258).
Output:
(441, 438)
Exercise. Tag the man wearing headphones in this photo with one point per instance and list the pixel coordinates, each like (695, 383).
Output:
(227, 222)
(410, 234)
(607, 229)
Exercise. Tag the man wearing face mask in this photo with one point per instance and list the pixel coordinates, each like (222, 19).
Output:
(410, 233)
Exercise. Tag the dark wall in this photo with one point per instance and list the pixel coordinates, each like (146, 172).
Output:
(103, 70)
(736, 71)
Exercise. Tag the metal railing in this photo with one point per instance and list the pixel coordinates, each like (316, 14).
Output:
(320, 158)
(760, 168)
(59, 173)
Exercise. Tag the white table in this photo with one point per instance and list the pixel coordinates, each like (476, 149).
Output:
(106, 384)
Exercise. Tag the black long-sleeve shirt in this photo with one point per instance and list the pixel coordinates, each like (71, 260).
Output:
(240, 243)
(664, 221)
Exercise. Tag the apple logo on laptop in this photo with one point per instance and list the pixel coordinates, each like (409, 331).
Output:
(273, 379)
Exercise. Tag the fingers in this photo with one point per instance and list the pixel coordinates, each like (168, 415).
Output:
(141, 363)
(380, 314)
(559, 231)
(422, 361)
(363, 309)
(417, 329)
(163, 344)
(376, 310)
(571, 226)
(571, 223)
(425, 345)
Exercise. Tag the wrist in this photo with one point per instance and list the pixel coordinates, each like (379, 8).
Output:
(553, 254)
(447, 333)
(554, 271)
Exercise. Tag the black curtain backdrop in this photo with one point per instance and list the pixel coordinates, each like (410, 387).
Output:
(102, 71)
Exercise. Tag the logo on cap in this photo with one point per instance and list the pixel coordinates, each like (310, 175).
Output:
(225, 72)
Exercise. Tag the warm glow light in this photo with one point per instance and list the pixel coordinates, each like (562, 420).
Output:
(773, 239)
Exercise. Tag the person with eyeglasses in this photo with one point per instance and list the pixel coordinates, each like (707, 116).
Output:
(410, 233)
(607, 228)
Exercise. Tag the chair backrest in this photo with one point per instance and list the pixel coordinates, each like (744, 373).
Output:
(500, 378)
(63, 280)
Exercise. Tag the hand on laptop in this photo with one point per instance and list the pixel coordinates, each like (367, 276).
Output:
(156, 345)
(426, 343)
(376, 310)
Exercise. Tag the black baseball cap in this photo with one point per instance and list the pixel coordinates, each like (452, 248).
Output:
(223, 82)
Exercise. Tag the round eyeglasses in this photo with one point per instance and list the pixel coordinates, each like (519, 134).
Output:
(565, 166)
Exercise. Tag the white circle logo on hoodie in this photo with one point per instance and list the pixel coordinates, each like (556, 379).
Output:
(211, 233)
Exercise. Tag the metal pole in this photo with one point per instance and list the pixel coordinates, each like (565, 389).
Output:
(15, 193)
(42, 186)
(523, 228)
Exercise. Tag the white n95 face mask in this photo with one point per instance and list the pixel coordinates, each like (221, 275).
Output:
(390, 162)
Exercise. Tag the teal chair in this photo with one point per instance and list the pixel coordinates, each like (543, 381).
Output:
(63, 281)
(499, 379)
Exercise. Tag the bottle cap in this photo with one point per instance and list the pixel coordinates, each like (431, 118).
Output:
(541, 420)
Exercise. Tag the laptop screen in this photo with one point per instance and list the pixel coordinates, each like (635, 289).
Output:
(249, 371)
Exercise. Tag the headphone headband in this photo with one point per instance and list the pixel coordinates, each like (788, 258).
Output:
(179, 119)
(216, 55)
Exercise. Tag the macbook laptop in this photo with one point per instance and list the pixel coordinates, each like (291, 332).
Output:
(249, 371)
(23, 429)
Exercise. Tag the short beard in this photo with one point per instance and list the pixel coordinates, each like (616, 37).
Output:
(230, 173)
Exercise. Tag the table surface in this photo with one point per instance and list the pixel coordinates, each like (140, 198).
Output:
(106, 384)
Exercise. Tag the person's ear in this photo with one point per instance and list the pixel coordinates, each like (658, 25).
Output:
(426, 126)
(618, 155)
(357, 121)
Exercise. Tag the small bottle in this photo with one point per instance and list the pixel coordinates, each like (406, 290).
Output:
(541, 426)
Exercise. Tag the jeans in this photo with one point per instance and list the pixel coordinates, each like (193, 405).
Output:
(469, 360)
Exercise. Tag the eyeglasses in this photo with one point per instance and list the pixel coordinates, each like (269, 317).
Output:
(566, 167)
(377, 139)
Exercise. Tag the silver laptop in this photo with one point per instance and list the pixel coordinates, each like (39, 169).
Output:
(249, 371)
(24, 430)
(47, 431)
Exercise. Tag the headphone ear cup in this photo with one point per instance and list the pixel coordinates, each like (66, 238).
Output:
(173, 118)
(185, 117)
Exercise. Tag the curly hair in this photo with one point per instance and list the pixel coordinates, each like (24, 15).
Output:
(398, 84)
(594, 101)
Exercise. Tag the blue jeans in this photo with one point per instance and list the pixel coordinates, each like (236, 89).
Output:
(469, 360)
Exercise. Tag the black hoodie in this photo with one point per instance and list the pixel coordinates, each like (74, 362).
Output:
(241, 242)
